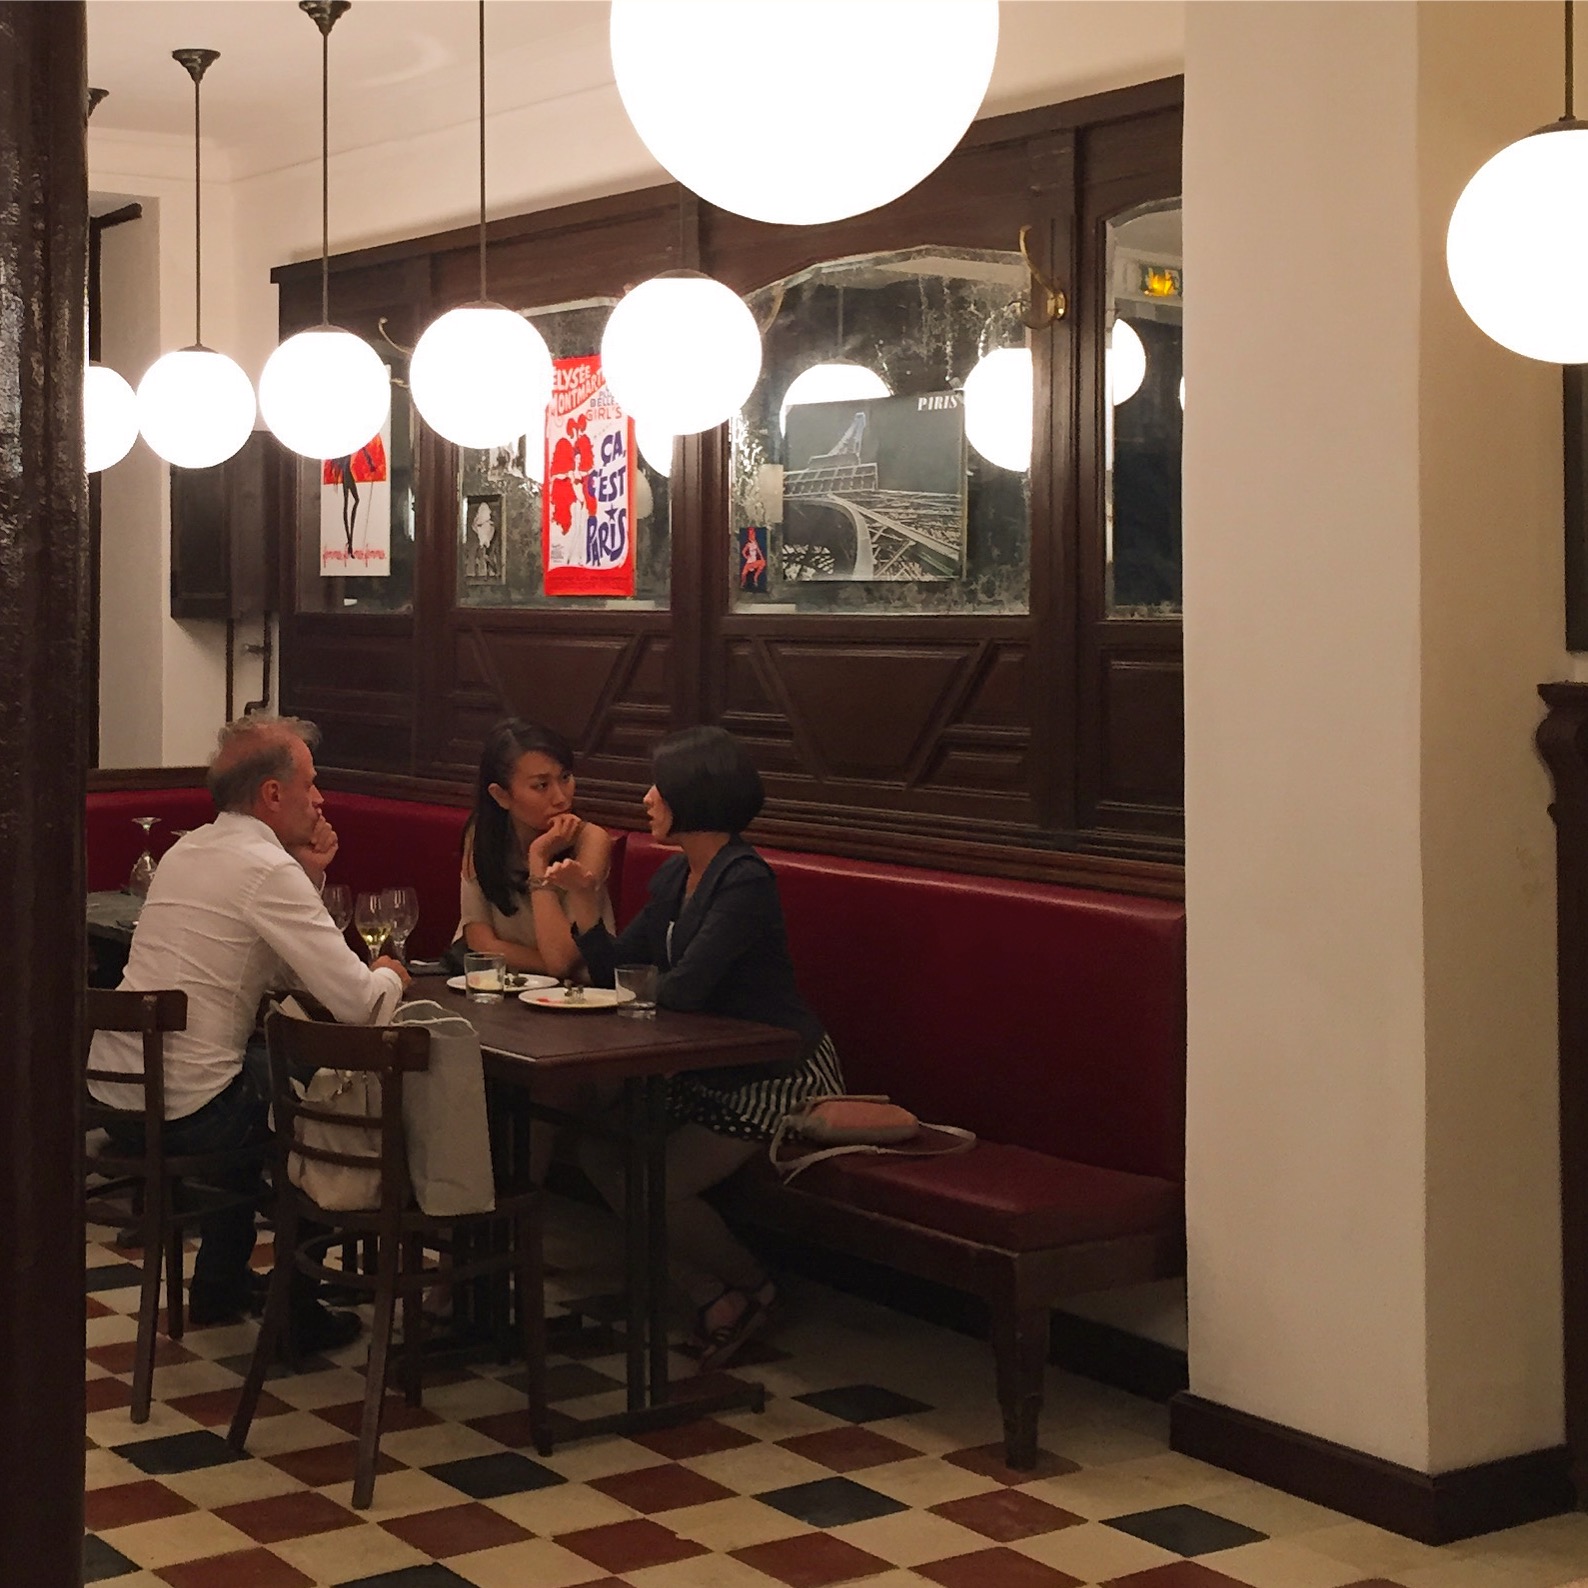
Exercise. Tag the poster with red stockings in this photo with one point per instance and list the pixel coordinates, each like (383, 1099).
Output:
(587, 492)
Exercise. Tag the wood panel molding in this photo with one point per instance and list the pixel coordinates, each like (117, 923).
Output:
(1434, 1508)
(109, 779)
(1563, 742)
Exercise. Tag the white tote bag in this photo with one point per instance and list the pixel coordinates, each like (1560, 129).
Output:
(449, 1142)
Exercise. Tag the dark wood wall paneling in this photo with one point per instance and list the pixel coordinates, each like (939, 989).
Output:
(1047, 744)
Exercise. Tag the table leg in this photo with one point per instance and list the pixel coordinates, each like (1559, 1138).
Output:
(635, 1256)
(656, 1229)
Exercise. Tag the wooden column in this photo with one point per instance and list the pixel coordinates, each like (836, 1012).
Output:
(1563, 742)
(43, 619)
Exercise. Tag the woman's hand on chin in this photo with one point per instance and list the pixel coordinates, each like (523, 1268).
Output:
(572, 877)
(559, 835)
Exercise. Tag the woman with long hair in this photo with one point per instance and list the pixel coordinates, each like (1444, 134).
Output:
(713, 925)
(523, 822)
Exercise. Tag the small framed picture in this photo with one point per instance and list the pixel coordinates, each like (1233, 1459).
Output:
(484, 558)
(754, 544)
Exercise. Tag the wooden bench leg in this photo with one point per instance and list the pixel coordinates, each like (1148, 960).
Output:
(1020, 1344)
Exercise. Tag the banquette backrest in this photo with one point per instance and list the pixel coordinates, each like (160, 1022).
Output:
(112, 839)
(1037, 1015)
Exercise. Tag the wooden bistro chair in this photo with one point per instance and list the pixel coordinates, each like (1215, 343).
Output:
(400, 1233)
(162, 1195)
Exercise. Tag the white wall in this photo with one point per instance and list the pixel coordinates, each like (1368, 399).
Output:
(1372, 593)
(166, 676)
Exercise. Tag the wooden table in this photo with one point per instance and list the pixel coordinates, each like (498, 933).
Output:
(525, 1048)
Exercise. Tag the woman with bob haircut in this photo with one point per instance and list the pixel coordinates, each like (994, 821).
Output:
(713, 925)
(523, 821)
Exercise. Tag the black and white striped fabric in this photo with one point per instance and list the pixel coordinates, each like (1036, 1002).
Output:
(754, 1111)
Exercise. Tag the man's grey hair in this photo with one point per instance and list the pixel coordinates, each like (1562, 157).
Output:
(251, 751)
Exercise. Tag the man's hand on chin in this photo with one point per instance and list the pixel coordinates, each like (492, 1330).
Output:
(316, 855)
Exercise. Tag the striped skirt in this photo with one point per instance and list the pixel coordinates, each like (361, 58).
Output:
(754, 1111)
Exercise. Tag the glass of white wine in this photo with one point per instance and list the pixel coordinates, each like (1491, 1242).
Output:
(372, 922)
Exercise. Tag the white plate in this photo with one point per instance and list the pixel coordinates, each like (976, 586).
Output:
(589, 998)
(515, 980)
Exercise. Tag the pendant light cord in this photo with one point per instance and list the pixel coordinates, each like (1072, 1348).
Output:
(483, 297)
(325, 176)
(198, 225)
(1571, 68)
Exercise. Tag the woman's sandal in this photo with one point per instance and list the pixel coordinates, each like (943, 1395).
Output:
(717, 1347)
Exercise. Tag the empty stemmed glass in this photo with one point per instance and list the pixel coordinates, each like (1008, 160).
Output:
(372, 922)
(402, 910)
(338, 901)
(142, 873)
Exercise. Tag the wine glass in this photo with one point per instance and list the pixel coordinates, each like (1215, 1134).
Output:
(372, 922)
(402, 910)
(142, 873)
(338, 900)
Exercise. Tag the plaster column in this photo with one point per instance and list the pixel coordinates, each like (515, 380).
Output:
(1372, 531)
(43, 612)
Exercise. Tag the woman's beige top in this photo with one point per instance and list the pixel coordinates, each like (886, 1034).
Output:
(519, 927)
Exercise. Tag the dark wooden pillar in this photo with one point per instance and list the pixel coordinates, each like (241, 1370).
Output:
(43, 619)
(1563, 742)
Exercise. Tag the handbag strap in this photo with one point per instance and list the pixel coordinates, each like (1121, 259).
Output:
(960, 1140)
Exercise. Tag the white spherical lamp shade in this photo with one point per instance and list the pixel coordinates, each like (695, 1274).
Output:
(478, 373)
(706, 81)
(681, 354)
(998, 404)
(324, 393)
(1127, 362)
(110, 418)
(195, 407)
(831, 383)
(1516, 244)
(656, 447)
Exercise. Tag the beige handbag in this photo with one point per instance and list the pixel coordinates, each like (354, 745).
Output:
(339, 1187)
(444, 1123)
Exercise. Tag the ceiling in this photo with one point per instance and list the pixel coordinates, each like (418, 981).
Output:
(398, 67)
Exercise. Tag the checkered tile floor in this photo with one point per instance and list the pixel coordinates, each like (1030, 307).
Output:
(875, 1460)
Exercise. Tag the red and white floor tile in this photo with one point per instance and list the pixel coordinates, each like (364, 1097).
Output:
(875, 1461)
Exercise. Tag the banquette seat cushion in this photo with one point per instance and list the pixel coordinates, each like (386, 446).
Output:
(999, 1195)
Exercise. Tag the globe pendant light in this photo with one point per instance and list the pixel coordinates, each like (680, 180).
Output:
(110, 418)
(196, 406)
(901, 85)
(479, 369)
(656, 447)
(998, 407)
(681, 353)
(1518, 237)
(1127, 362)
(325, 392)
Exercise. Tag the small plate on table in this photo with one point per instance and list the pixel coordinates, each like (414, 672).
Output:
(576, 998)
(513, 982)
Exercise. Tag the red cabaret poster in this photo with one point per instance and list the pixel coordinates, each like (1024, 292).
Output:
(587, 514)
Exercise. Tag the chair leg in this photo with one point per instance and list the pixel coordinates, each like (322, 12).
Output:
(414, 1324)
(389, 1254)
(1020, 1343)
(154, 1211)
(174, 1309)
(273, 1327)
(532, 1322)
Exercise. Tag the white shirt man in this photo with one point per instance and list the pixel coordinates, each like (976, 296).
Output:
(234, 909)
